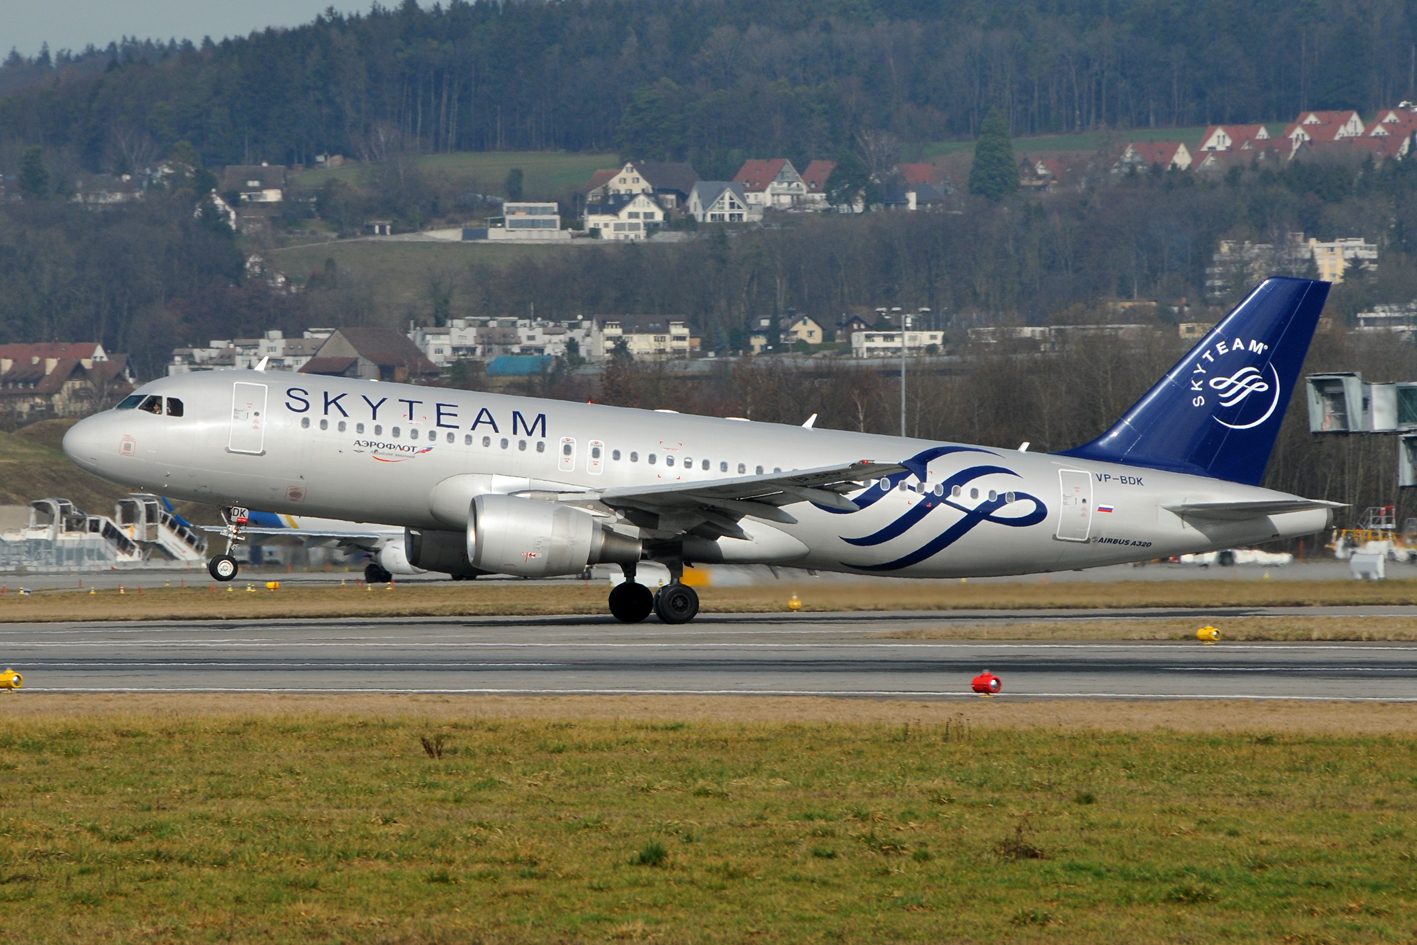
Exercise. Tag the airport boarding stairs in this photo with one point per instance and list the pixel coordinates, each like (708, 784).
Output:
(144, 531)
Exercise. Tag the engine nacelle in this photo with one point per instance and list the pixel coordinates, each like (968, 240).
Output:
(438, 551)
(529, 538)
(394, 559)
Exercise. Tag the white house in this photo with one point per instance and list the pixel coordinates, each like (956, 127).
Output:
(880, 344)
(624, 217)
(773, 183)
(721, 201)
(649, 336)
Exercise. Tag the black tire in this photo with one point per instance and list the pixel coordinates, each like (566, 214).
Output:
(374, 574)
(631, 602)
(677, 603)
(223, 568)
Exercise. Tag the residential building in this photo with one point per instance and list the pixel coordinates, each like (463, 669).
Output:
(624, 217)
(669, 182)
(815, 177)
(1324, 127)
(924, 184)
(59, 380)
(106, 190)
(717, 201)
(848, 327)
(522, 222)
(772, 184)
(1231, 137)
(1144, 155)
(381, 354)
(795, 328)
(281, 353)
(1333, 259)
(883, 344)
(1039, 174)
(254, 183)
(1053, 337)
(468, 339)
(647, 336)
(1237, 265)
(1193, 331)
(1397, 319)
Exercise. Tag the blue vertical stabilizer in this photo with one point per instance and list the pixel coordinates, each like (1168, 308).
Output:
(1218, 412)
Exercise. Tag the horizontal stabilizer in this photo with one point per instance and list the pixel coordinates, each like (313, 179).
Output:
(1239, 511)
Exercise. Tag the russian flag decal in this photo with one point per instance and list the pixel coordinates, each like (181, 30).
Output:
(1104, 508)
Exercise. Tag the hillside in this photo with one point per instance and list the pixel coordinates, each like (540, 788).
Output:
(33, 467)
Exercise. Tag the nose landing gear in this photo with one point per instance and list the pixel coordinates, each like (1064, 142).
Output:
(223, 567)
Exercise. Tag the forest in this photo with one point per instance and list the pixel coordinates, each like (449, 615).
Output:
(712, 81)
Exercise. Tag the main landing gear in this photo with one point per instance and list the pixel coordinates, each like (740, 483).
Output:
(374, 573)
(223, 567)
(631, 602)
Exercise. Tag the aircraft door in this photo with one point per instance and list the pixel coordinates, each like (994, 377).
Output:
(1075, 511)
(566, 460)
(595, 459)
(248, 418)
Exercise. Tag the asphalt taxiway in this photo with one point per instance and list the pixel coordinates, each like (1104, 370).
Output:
(766, 654)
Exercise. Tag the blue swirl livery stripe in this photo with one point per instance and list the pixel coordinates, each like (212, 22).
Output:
(919, 466)
(917, 512)
(983, 513)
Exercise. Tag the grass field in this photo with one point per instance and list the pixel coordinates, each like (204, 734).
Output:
(149, 823)
(547, 175)
(207, 600)
(32, 466)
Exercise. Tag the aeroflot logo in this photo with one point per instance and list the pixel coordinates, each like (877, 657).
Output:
(1246, 390)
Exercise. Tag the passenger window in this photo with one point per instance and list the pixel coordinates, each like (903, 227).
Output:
(412, 434)
(450, 438)
(129, 402)
(723, 467)
(394, 433)
(974, 493)
(541, 446)
(305, 423)
(521, 445)
(359, 428)
(504, 442)
(668, 460)
(760, 471)
(152, 404)
(467, 440)
(343, 426)
(688, 462)
(174, 407)
(742, 469)
(1009, 498)
(777, 469)
(955, 492)
(595, 452)
(565, 449)
(650, 459)
(705, 466)
(324, 424)
(993, 495)
(378, 429)
(634, 457)
(487, 441)
(615, 455)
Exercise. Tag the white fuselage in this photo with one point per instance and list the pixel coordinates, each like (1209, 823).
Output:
(415, 456)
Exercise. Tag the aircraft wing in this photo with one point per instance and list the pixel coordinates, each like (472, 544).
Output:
(720, 503)
(363, 540)
(1236, 511)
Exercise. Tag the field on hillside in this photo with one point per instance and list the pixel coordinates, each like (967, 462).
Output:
(205, 599)
(547, 175)
(32, 466)
(136, 825)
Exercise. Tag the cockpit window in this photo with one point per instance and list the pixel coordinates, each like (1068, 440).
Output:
(129, 402)
(174, 407)
(152, 404)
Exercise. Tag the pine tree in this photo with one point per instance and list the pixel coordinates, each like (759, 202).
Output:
(34, 176)
(994, 174)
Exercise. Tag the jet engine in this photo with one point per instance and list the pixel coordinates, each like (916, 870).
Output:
(436, 550)
(530, 538)
(393, 558)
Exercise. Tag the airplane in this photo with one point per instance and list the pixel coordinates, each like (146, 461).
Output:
(535, 487)
(384, 544)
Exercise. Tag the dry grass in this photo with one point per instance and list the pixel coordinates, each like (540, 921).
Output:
(139, 821)
(206, 600)
(1232, 629)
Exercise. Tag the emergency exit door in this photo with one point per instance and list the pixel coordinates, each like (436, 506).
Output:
(248, 418)
(1075, 510)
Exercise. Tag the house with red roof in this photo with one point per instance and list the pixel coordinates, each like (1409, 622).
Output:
(60, 380)
(815, 177)
(1324, 126)
(1228, 137)
(772, 184)
(1144, 155)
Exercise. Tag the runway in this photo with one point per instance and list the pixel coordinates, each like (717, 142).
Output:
(767, 654)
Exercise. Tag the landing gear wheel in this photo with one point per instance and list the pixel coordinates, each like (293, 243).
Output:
(222, 567)
(374, 574)
(631, 602)
(677, 603)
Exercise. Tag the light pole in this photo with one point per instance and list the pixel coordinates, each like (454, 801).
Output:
(904, 324)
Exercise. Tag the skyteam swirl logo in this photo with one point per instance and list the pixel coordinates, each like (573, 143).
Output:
(986, 510)
(1246, 392)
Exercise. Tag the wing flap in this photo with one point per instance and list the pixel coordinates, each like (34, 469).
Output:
(1245, 509)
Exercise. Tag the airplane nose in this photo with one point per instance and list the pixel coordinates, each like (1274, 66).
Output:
(83, 442)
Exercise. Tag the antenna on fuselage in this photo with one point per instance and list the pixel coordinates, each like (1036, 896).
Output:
(810, 420)
(261, 365)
